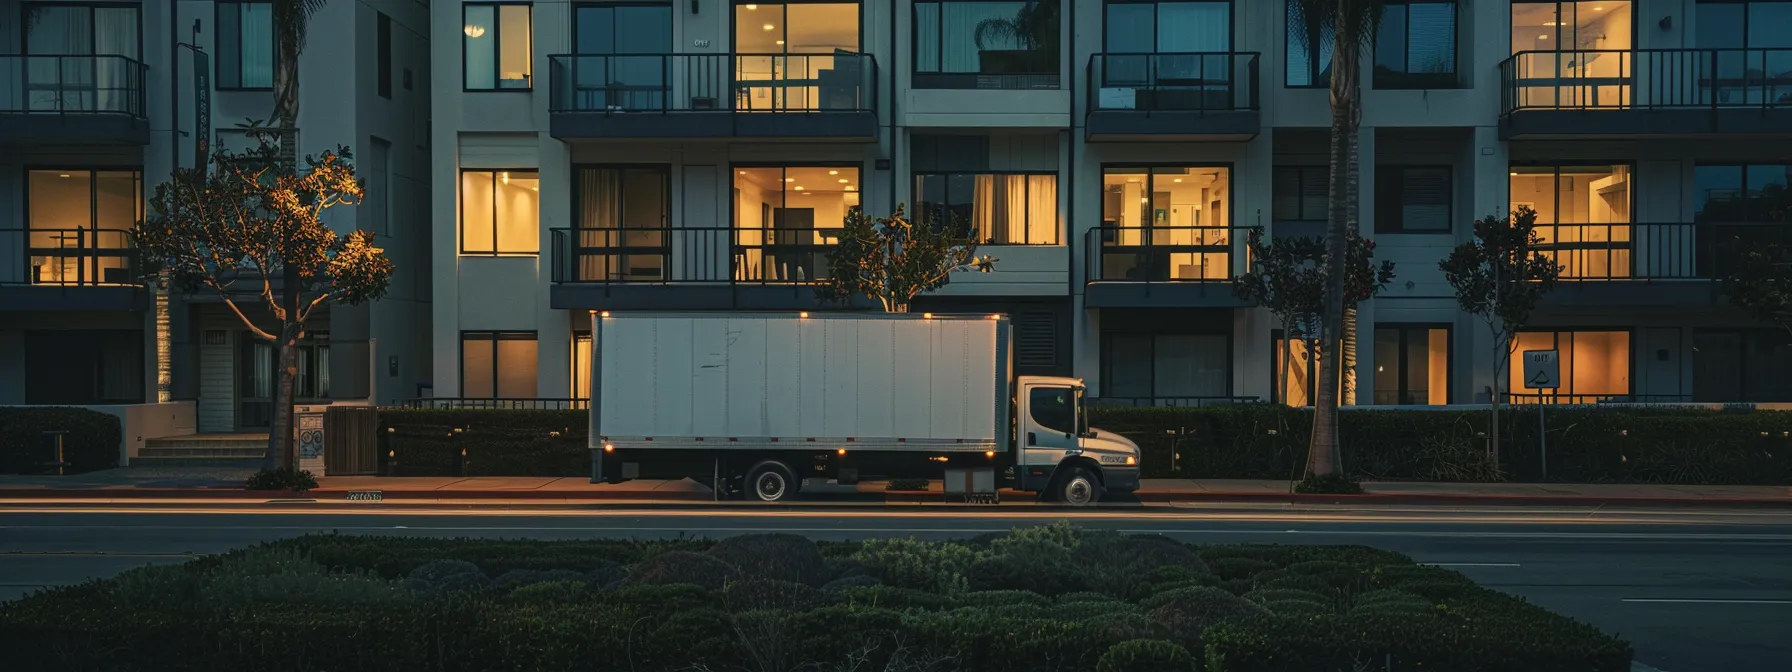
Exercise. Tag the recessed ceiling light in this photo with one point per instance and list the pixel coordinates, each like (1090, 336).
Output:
(769, 27)
(1598, 9)
(799, 188)
(850, 188)
(833, 172)
(743, 172)
(789, 179)
(1552, 23)
(844, 180)
(65, 175)
(1515, 175)
(752, 8)
(780, 43)
(807, 194)
(1177, 180)
(1142, 199)
(1542, 37)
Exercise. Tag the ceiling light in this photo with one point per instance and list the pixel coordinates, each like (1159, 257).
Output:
(65, 175)
(780, 43)
(789, 179)
(1598, 9)
(474, 30)
(1177, 180)
(506, 177)
(808, 194)
(1515, 174)
(743, 172)
(1142, 199)
(844, 180)
(850, 188)
(1552, 23)
(769, 27)
(752, 8)
(799, 188)
(833, 172)
(1542, 37)
(1132, 179)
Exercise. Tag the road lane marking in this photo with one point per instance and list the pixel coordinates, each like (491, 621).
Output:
(1672, 600)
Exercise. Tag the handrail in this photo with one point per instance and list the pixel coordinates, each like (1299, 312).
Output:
(685, 255)
(735, 82)
(1208, 254)
(1646, 79)
(1628, 252)
(58, 84)
(69, 257)
(1173, 81)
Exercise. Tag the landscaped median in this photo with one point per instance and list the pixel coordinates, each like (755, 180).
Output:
(1048, 598)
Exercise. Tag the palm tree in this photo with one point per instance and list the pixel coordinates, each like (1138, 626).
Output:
(291, 18)
(1352, 24)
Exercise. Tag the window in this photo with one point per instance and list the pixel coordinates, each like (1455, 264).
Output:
(806, 53)
(786, 218)
(245, 46)
(1300, 193)
(995, 209)
(1583, 216)
(1303, 67)
(1166, 55)
(500, 212)
(1412, 365)
(107, 82)
(1052, 408)
(1166, 223)
(1748, 193)
(1165, 369)
(1738, 365)
(497, 364)
(1754, 40)
(581, 364)
(313, 379)
(1594, 365)
(383, 27)
(620, 228)
(81, 366)
(80, 223)
(1574, 54)
(1412, 200)
(619, 57)
(1415, 48)
(499, 47)
(987, 44)
(1296, 389)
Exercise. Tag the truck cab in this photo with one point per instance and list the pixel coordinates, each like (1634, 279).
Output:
(1058, 454)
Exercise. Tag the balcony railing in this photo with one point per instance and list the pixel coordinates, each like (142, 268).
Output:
(1643, 252)
(68, 257)
(691, 255)
(498, 403)
(1164, 253)
(72, 85)
(641, 83)
(1646, 79)
(1175, 401)
(1182, 82)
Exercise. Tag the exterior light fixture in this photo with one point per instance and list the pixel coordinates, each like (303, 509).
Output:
(474, 30)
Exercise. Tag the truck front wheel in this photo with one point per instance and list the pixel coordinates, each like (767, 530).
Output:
(1078, 487)
(771, 482)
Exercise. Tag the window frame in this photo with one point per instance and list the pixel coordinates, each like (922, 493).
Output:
(784, 15)
(1567, 375)
(765, 229)
(497, 47)
(1318, 75)
(219, 64)
(1393, 220)
(945, 80)
(93, 201)
(1743, 191)
(1424, 80)
(461, 213)
(1300, 172)
(1406, 329)
(493, 336)
(1105, 361)
(1057, 227)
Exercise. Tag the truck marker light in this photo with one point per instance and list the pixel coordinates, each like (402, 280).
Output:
(841, 452)
(609, 447)
(927, 316)
(604, 314)
(1131, 461)
(803, 314)
(989, 454)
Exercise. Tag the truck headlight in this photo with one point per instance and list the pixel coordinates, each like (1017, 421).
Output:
(1131, 461)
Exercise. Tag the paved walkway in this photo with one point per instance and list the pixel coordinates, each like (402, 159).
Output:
(139, 482)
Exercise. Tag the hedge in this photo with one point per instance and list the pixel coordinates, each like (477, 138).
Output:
(91, 444)
(351, 602)
(1586, 444)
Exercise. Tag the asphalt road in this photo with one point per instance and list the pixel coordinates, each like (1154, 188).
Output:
(1695, 591)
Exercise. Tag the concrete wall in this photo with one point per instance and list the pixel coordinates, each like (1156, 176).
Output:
(141, 422)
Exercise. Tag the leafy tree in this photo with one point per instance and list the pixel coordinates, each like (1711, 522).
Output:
(1353, 24)
(251, 229)
(893, 260)
(1759, 280)
(1501, 276)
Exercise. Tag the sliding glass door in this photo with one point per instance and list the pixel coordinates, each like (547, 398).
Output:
(1166, 55)
(623, 55)
(82, 57)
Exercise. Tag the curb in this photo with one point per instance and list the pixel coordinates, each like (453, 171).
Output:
(1158, 497)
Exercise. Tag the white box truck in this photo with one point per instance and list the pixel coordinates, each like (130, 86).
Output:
(754, 404)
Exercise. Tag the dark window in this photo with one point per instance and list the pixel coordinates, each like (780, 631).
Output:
(1300, 193)
(497, 364)
(621, 223)
(1159, 48)
(1053, 408)
(987, 44)
(384, 30)
(1415, 47)
(993, 208)
(1411, 199)
(1309, 56)
(499, 47)
(80, 367)
(1751, 193)
(1753, 365)
(245, 45)
(1165, 368)
(1412, 365)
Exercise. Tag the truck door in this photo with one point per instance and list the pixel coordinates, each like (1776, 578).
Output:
(1048, 431)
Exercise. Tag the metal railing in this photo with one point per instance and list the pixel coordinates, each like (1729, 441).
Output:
(1524, 398)
(1175, 401)
(72, 85)
(1653, 251)
(672, 255)
(68, 257)
(640, 83)
(498, 403)
(1164, 253)
(1183, 82)
(1646, 79)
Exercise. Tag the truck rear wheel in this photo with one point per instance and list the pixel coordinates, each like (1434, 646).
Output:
(771, 482)
(1078, 487)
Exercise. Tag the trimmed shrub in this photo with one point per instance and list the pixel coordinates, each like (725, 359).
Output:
(849, 582)
(1238, 568)
(518, 578)
(92, 440)
(1085, 596)
(784, 557)
(551, 592)
(1534, 642)
(1086, 610)
(996, 598)
(663, 598)
(281, 479)
(1329, 484)
(896, 599)
(1298, 608)
(1034, 564)
(753, 593)
(684, 567)
(1119, 626)
(1268, 595)
(1145, 655)
(442, 576)
(1191, 611)
(922, 565)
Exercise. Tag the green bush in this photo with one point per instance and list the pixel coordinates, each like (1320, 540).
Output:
(1531, 640)
(922, 565)
(506, 442)
(281, 479)
(753, 593)
(848, 582)
(551, 592)
(1238, 568)
(684, 567)
(1145, 655)
(395, 557)
(897, 599)
(996, 598)
(447, 576)
(1267, 595)
(1329, 484)
(518, 578)
(784, 557)
(91, 443)
(1085, 596)
(1298, 608)
(1032, 564)
(1191, 611)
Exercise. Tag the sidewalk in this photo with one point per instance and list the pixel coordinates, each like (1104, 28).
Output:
(208, 483)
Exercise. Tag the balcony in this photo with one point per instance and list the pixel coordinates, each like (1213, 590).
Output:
(84, 100)
(1179, 96)
(688, 268)
(1163, 266)
(69, 269)
(1646, 92)
(747, 96)
(1648, 264)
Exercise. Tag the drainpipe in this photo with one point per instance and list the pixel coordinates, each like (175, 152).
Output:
(894, 117)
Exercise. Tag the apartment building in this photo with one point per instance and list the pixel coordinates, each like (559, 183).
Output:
(99, 102)
(700, 155)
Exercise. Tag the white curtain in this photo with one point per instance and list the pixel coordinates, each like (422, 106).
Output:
(983, 207)
(115, 79)
(1011, 227)
(1042, 210)
(257, 40)
(599, 192)
(59, 83)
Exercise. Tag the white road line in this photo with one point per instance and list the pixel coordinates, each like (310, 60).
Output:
(1666, 600)
(1471, 564)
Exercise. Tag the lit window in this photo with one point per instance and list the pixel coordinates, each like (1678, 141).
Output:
(497, 364)
(1166, 223)
(1293, 385)
(1583, 216)
(499, 47)
(500, 212)
(787, 218)
(1412, 365)
(1594, 365)
(80, 222)
(994, 209)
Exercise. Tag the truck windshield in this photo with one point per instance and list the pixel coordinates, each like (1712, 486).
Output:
(1082, 413)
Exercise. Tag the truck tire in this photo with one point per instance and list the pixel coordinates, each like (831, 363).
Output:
(770, 482)
(1078, 487)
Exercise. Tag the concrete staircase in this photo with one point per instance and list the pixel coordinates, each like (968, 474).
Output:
(203, 450)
